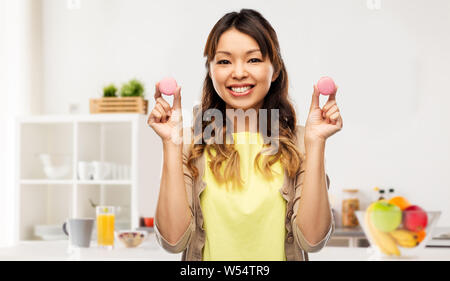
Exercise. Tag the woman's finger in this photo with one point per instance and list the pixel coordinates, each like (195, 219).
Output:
(164, 104)
(161, 111)
(177, 99)
(157, 92)
(150, 120)
(340, 122)
(155, 116)
(332, 97)
(328, 105)
(315, 99)
(334, 117)
(331, 111)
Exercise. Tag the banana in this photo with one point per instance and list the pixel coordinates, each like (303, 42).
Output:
(405, 238)
(383, 240)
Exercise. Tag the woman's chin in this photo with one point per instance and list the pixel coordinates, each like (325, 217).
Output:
(244, 107)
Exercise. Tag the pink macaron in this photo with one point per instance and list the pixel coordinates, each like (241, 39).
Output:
(168, 86)
(326, 86)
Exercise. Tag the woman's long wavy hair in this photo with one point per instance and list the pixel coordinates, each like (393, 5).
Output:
(255, 25)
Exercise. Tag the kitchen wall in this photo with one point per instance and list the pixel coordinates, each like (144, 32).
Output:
(3, 235)
(21, 85)
(391, 65)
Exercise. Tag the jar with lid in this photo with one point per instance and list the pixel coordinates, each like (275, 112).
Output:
(350, 204)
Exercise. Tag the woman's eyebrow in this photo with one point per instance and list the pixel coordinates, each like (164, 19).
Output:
(248, 52)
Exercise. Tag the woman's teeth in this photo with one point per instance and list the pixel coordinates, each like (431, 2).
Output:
(241, 89)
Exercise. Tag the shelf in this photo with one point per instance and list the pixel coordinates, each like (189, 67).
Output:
(87, 182)
(121, 139)
(45, 181)
(106, 182)
(84, 118)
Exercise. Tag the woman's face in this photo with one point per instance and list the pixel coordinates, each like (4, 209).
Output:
(240, 75)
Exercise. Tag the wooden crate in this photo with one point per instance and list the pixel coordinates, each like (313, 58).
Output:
(119, 105)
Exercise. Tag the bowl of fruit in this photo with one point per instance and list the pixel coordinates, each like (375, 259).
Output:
(396, 228)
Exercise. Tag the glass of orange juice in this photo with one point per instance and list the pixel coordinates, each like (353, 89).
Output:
(105, 227)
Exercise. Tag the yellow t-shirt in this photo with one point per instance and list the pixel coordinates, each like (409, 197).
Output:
(248, 223)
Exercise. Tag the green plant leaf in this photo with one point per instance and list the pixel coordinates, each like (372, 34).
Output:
(109, 91)
(134, 88)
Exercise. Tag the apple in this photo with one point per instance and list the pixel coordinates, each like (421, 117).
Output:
(386, 216)
(415, 218)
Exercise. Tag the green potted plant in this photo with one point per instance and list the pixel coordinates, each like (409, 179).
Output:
(131, 99)
(134, 88)
(109, 91)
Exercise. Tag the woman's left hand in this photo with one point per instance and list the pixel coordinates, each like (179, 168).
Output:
(325, 122)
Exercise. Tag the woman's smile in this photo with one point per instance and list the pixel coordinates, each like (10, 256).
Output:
(240, 90)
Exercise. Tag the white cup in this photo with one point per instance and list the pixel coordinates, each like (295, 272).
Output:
(101, 171)
(114, 171)
(107, 171)
(97, 170)
(84, 171)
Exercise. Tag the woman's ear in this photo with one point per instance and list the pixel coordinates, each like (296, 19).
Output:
(275, 75)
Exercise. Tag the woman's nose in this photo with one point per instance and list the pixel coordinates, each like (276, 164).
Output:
(239, 71)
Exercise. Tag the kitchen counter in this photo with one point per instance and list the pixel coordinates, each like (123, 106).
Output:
(151, 251)
(367, 254)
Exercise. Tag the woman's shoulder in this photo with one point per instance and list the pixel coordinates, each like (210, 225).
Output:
(300, 130)
(189, 139)
(300, 137)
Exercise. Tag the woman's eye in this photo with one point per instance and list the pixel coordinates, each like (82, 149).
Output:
(227, 61)
(255, 60)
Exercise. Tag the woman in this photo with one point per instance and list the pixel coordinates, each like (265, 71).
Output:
(227, 200)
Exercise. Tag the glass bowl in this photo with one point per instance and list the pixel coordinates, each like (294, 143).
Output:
(131, 238)
(397, 233)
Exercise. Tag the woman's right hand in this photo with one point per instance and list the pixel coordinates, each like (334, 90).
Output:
(165, 120)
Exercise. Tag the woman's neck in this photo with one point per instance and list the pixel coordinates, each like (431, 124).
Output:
(246, 122)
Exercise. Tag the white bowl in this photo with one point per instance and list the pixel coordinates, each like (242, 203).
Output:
(49, 232)
(56, 166)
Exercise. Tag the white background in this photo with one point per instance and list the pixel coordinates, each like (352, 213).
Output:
(391, 65)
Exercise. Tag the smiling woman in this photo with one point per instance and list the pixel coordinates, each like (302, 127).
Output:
(240, 69)
(241, 198)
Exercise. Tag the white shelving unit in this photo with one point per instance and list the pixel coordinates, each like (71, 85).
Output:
(124, 139)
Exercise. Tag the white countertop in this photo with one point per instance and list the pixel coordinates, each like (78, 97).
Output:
(59, 251)
(151, 251)
(367, 254)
